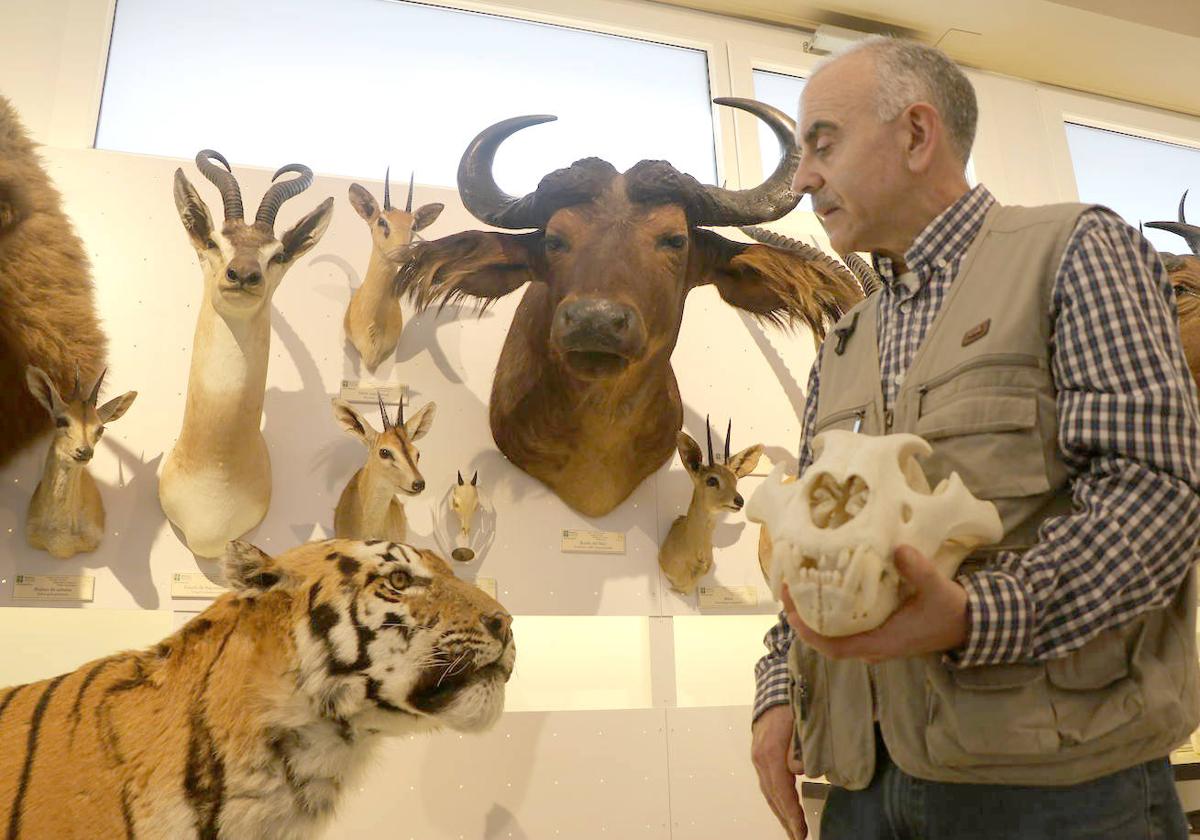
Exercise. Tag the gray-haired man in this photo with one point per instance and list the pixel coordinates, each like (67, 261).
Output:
(1038, 693)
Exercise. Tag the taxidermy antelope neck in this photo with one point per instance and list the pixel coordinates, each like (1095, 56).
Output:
(1184, 270)
(584, 397)
(368, 507)
(66, 513)
(686, 554)
(216, 482)
(373, 319)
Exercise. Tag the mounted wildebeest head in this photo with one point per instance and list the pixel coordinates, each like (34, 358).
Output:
(584, 397)
(1184, 270)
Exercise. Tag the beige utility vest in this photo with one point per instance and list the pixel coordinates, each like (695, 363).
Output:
(980, 391)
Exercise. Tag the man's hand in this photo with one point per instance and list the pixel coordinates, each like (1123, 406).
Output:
(771, 751)
(932, 619)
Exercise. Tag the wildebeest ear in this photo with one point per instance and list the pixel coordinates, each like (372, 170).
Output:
(193, 212)
(14, 204)
(481, 264)
(249, 570)
(780, 286)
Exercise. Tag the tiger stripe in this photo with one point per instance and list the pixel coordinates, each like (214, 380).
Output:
(35, 726)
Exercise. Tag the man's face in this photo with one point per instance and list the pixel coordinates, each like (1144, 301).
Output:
(852, 164)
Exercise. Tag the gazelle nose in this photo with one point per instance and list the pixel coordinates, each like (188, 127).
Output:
(738, 501)
(83, 453)
(498, 625)
(250, 277)
(418, 485)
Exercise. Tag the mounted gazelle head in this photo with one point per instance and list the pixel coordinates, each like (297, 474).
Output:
(243, 263)
(392, 229)
(392, 455)
(464, 501)
(78, 422)
(716, 483)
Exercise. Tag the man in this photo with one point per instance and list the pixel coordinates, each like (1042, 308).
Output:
(1038, 693)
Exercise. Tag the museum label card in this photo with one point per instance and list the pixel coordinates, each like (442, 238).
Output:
(353, 391)
(487, 584)
(728, 596)
(592, 542)
(194, 585)
(54, 587)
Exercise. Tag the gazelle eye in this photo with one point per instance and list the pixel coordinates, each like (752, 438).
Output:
(385, 227)
(61, 422)
(712, 481)
(385, 454)
(209, 244)
(400, 579)
(99, 431)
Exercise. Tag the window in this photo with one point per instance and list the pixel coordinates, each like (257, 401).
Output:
(1139, 178)
(352, 86)
(783, 92)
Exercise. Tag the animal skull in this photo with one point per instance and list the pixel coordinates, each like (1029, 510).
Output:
(835, 529)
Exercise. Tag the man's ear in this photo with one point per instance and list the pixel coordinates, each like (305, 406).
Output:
(923, 129)
(689, 452)
(250, 571)
(307, 232)
(363, 202)
(744, 462)
(481, 264)
(193, 212)
(354, 423)
(775, 284)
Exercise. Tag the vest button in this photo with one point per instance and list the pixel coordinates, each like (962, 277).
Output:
(888, 416)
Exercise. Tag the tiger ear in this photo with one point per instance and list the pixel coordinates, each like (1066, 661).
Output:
(250, 571)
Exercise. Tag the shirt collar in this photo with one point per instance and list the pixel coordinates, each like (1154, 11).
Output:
(939, 243)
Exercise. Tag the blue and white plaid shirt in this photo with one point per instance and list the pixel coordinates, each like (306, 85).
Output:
(1128, 430)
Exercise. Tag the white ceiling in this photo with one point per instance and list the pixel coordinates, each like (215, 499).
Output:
(1144, 51)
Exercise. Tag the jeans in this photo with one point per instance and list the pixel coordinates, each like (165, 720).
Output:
(1131, 804)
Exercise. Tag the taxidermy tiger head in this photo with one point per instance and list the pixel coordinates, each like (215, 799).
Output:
(386, 637)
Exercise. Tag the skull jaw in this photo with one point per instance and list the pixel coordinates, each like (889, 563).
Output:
(844, 592)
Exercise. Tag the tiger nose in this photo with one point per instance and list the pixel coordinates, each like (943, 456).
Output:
(499, 625)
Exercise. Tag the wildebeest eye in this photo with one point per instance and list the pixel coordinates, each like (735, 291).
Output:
(554, 244)
(712, 481)
(674, 241)
(61, 422)
(386, 454)
(400, 579)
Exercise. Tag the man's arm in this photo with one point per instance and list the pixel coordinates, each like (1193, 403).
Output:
(1129, 430)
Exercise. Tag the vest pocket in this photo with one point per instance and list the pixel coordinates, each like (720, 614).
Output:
(848, 419)
(993, 441)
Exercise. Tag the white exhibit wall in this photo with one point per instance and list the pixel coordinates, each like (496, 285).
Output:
(618, 678)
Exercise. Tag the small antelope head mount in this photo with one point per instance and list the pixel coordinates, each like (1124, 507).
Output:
(716, 483)
(464, 501)
(392, 454)
(78, 422)
(392, 229)
(243, 263)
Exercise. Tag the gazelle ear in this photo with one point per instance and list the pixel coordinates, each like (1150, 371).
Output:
(354, 423)
(363, 202)
(689, 452)
(426, 215)
(249, 570)
(416, 427)
(43, 390)
(744, 462)
(114, 408)
(193, 212)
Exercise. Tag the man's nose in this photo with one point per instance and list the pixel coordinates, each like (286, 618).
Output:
(805, 180)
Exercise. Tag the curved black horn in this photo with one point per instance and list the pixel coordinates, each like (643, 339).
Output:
(1190, 233)
(708, 434)
(728, 435)
(811, 252)
(773, 198)
(92, 397)
(281, 192)
(387, 424)
(231, 193)
(400, 412)
(477, 188)
(867, 277)
(412, 180)
(387, 192)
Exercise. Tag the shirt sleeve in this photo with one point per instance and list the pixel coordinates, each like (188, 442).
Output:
(771, 679)
(1129, 433)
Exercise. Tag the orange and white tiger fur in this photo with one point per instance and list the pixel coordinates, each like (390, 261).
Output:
(253, 718)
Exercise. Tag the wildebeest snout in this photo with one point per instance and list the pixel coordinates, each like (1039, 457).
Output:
(596, 325)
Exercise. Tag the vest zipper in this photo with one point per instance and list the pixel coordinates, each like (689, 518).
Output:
(1017, 359)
